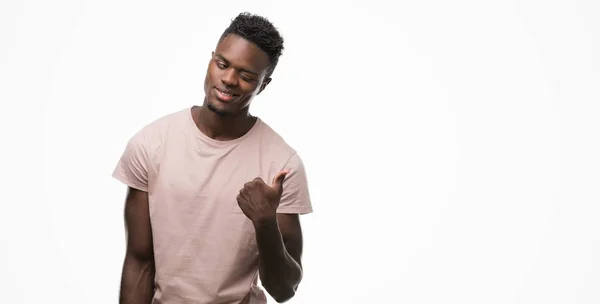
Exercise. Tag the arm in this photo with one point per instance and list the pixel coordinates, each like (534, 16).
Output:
(137, 281)
(280, 249)
(274, 210)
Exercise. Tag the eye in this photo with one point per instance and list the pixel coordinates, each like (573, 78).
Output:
(247, 79)
(221, 65)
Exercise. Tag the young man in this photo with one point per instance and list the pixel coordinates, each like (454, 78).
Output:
(214, 194)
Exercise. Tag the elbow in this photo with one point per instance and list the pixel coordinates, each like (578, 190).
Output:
(280, 292)
(283, 288)
(283, 294)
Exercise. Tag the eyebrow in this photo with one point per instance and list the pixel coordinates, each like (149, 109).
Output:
(227, 62)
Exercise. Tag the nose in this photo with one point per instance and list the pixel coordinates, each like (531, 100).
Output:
(229, 77)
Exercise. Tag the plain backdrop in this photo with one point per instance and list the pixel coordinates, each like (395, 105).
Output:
(452, 147)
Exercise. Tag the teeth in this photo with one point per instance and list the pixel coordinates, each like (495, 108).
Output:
(226, 94)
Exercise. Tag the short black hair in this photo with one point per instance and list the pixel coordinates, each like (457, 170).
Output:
(260, 31)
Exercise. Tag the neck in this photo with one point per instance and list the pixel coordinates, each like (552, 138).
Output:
(220, 127)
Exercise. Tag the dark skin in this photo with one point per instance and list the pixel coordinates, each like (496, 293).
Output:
(279, 236)
(137, 282)
(238, 69)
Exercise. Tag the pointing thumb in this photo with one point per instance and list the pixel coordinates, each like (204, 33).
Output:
(278, 180)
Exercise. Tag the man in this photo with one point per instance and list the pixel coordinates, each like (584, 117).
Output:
(214, 194)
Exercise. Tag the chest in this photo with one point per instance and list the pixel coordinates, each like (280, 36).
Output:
(207, 181)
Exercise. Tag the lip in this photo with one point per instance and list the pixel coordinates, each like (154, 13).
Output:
(225, 95)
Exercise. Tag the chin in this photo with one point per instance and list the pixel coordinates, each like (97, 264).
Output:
(218, 110)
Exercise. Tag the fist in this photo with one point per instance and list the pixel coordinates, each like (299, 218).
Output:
(258, 200)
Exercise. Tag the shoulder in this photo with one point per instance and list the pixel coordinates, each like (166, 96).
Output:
(158, 129)
(153, 135)
(274, 143)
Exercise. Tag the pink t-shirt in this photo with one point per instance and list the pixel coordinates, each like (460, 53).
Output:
(204, 246)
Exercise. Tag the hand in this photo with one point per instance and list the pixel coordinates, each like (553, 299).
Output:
(259, 201)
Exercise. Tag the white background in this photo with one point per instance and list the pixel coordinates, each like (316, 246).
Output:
(452, 147)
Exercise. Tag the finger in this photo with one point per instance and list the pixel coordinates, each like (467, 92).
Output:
(244, 195)
(278, 180)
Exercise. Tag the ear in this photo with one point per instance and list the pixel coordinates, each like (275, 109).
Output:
(212, 54)
(264, 84)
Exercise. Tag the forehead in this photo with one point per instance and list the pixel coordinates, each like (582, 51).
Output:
(242, 53)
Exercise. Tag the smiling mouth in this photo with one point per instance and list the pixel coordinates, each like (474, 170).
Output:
(226, 93)
(224, 96)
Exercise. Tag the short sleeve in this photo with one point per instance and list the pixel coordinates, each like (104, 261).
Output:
(295, 197)
(132, 168)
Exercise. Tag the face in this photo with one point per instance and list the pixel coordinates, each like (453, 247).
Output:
(236, 73)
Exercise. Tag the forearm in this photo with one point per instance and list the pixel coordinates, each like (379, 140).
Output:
(137, 282)
(280, 274)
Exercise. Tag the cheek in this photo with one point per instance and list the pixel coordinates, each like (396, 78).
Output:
(207, 78)
(250, 89)
(249, 93)
(212, 74)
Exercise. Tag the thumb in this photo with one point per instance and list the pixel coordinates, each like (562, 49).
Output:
(278, 180)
